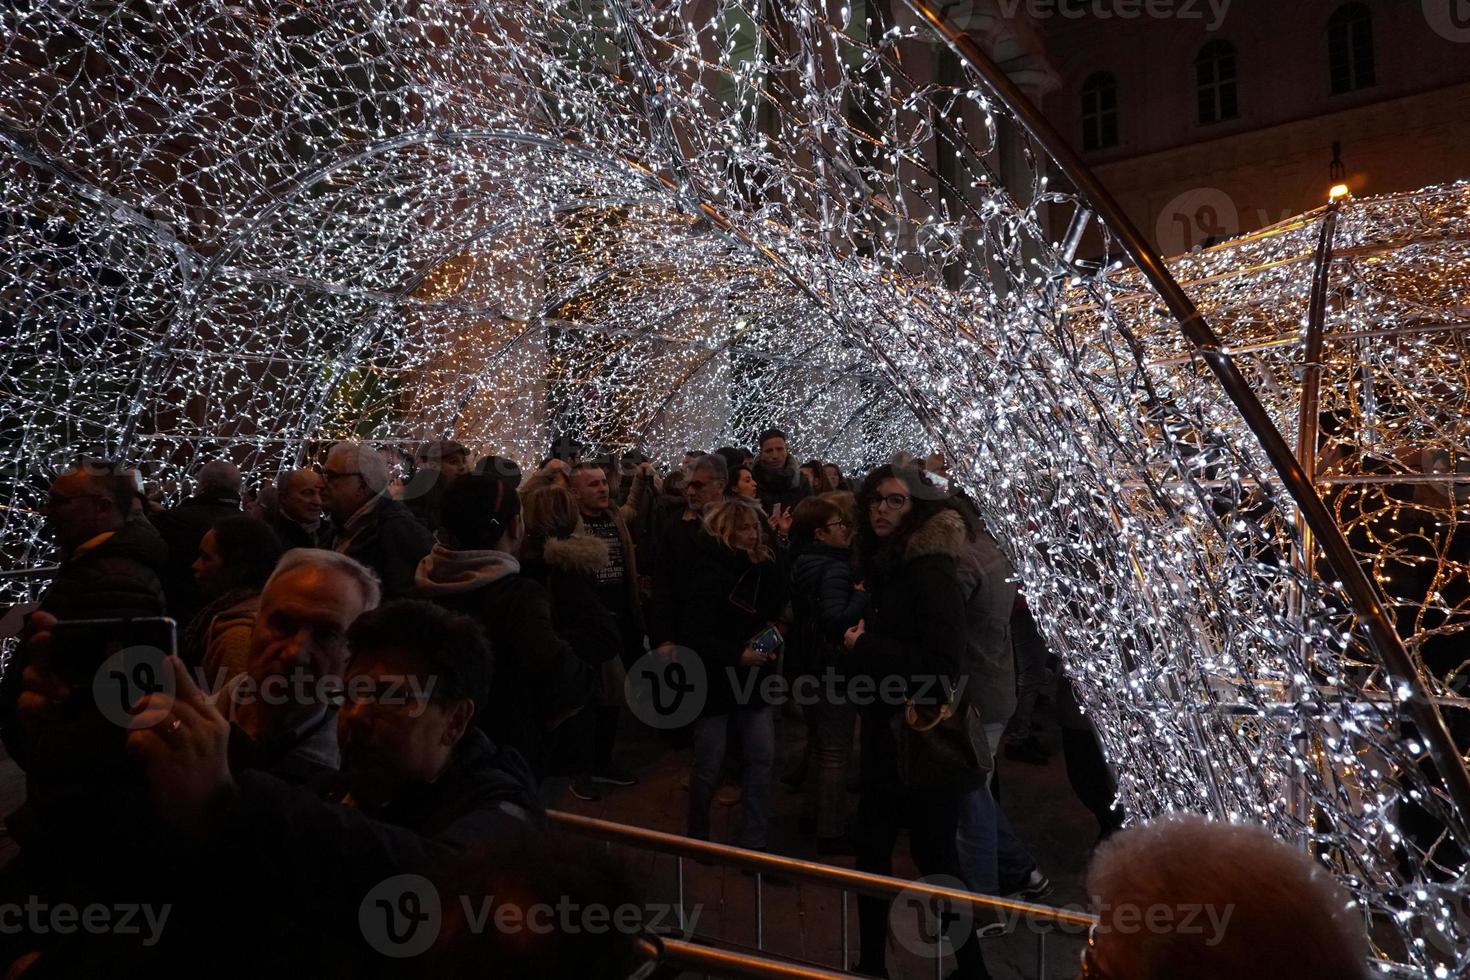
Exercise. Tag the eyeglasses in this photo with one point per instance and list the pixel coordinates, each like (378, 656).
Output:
(838, 524)
(894, 501)
(331, 475)
(695, 485)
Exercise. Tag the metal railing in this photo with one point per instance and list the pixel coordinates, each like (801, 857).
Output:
(844, 880)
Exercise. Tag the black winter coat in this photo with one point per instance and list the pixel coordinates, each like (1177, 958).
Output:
(825, 605)
(391, 543)
(538, 678)
(784, 486)
(915, 630)
(728, 600)
(675, 555)
(86, 816)
(568, 568)
(313, 863)
(182, 528)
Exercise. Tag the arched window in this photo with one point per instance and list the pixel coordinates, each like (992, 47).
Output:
(1350, 48)
(1214, 70)
(1100, 112)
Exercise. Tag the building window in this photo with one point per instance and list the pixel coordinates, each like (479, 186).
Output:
(1350, 48)
(1100, 112)
(1215, 75)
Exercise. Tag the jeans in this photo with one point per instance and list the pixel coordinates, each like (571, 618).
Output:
(756, 730)
(931, 817)
(830, 734)
(989, 852)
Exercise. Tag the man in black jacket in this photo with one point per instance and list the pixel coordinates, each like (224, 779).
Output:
(777, 474)
(371, 526)
(473, 568)
(216, 496)
(300, 523)
(423, 791)
(704, 485)
(110, 567)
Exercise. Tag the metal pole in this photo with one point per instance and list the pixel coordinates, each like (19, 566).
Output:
(846, 931)
(760, 914)
(1041, 955)
(683, 927)
(1306, 454)
(1354, 582)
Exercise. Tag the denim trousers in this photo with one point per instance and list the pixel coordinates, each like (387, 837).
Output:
(989, 852)
(756, 730)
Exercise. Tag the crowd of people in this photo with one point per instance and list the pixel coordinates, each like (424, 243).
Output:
(380, 674)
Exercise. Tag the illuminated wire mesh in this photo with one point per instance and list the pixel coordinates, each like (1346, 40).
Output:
(253, 228)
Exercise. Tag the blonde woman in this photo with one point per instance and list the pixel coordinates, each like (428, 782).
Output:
(561, 556)
(734, 593)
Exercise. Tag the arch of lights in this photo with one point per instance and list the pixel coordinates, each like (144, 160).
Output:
(252, 228)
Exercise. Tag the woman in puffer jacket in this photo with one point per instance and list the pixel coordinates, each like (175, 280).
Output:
(566, 560)
(825, 604)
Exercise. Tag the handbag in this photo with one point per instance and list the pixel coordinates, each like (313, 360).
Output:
(942, 748)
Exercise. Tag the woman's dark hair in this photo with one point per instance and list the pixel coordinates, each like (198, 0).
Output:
(926, 499)
(248, 552)
(820, 483)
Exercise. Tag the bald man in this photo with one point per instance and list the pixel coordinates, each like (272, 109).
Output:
(300, 523)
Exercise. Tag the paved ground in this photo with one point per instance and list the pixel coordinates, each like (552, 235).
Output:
(800, 921)
(803, 921)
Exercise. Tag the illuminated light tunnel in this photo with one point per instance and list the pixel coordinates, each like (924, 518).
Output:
(250, 229)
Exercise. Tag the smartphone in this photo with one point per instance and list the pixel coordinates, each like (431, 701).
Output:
(79, 647)
(766, 641)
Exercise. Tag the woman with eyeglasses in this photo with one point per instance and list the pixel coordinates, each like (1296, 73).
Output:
(733, 593)
(908, 543)
(825, 604)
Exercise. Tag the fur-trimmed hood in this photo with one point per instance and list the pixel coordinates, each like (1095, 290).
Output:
(943, 534)
(582, 554)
